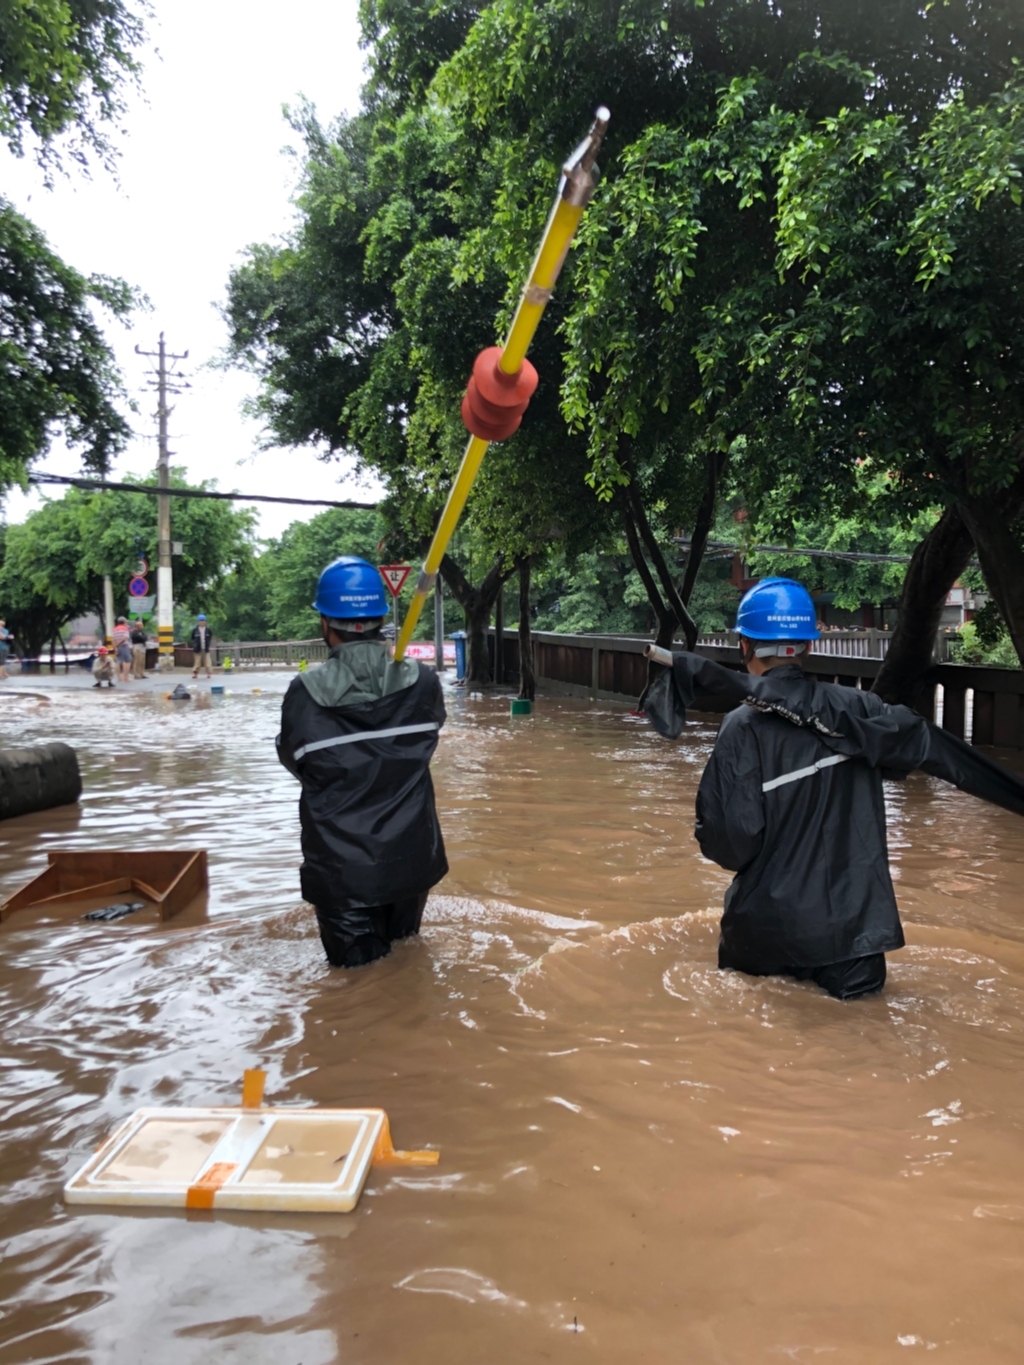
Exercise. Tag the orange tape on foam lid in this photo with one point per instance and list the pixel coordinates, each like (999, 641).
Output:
(252, 1088)
(200, 1195)
(385, 1154)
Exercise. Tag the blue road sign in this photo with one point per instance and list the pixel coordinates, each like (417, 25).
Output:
(138, 587)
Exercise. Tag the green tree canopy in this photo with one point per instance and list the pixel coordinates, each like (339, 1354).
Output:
(64, 66)
(57, 373)
(54, 561)
(293, 565)
(43, 584)
(270, 597)
(700, 319)
(118, 528)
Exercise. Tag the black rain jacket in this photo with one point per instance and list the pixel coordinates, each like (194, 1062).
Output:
(791, 800)
(370, 833)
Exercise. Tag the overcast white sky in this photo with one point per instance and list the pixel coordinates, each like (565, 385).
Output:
(202, 175)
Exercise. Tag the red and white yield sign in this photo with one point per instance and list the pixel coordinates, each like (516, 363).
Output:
(394, 575)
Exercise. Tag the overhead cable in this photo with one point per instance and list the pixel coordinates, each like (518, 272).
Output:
(153, 490)
(791, 553)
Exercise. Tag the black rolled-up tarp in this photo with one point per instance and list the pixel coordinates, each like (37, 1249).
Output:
(37, 778)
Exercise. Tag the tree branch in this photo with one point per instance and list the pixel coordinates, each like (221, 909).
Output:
(715, 468)
(462, 590)
(642, 567)
(936, 564)
(668, 586)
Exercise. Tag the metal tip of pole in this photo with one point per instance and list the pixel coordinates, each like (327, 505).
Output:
(595, 137)
(584, 155)
(578, 178)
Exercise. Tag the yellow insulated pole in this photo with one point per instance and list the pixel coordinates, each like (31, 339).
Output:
(574, 191)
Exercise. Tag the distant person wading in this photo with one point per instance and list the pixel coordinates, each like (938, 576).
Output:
(359, 733)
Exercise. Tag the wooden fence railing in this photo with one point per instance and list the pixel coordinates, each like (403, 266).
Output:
(984, 705)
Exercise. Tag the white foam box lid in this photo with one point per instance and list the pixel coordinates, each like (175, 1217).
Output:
(314, 1160)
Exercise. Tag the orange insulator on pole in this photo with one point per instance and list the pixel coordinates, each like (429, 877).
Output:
(495, 401)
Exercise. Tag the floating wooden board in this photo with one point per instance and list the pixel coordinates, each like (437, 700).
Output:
(171, 879)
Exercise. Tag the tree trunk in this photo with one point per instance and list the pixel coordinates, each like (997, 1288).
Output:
(499, 636)
(32, 631)
(478, 661)
(715, 468)
(672, 598)
(936, 564)
(477, 603)
(527, 677)
(666, 618)
(990, 522)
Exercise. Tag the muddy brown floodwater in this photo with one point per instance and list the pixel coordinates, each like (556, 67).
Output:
(642, 1158)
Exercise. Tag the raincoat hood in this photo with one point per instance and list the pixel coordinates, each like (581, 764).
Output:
(358, 672)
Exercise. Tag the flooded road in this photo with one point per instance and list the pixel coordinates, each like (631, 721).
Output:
(642, 1158)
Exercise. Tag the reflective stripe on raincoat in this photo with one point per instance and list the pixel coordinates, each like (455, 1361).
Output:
(370, 833)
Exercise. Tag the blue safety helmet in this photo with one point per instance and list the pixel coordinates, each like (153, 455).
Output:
(201, 616)
(349, 589)
(777, 609)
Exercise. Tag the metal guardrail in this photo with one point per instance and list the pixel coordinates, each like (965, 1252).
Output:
(849, 644)
(268, 653)
(856, 644)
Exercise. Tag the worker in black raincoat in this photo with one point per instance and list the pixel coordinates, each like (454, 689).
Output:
(359, 733)
(791, 799)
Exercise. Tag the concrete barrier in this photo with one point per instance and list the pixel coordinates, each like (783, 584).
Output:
(37, 778)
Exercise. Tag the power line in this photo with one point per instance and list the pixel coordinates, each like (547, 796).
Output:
(154, 491)
(683, 542)
(791, 553)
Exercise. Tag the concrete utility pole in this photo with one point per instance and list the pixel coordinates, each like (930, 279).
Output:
(165, 576)
(108, 611)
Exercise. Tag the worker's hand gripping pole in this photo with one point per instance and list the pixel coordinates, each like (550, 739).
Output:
(503, 379)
